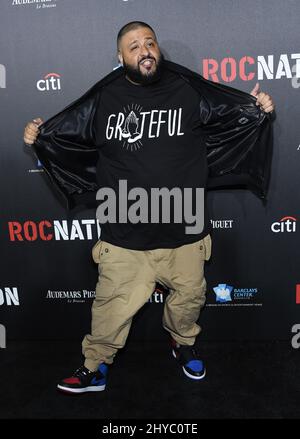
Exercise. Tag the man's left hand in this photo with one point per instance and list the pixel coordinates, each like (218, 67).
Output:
(263, 99)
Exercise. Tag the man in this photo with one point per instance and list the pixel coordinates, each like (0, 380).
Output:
(152, 124)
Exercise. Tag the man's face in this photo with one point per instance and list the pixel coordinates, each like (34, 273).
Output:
(140, 55)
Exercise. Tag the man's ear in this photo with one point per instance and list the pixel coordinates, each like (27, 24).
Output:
(120, 58)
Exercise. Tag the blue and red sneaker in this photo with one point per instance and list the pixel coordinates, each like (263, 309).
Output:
(188, 358)
(84, 380)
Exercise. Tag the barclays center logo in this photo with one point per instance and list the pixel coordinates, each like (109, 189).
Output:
(231, 296)
(223, 293)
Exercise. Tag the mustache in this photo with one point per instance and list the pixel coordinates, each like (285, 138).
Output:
(147, 57)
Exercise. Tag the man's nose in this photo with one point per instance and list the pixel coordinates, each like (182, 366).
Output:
(144, 53)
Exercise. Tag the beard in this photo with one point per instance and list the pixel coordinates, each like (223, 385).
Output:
(135, 74)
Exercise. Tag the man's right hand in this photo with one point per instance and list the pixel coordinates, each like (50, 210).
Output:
(31, 131)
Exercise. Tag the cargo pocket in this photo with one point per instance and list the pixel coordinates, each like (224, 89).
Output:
(96, 250)
(201, 248)
(207, 246)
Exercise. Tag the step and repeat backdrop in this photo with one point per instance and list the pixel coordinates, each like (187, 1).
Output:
(51, 52)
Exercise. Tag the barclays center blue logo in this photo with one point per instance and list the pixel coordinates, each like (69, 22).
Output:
(223, 293)
(227, 293)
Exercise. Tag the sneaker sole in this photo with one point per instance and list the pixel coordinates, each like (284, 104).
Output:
(85, 389)
(187, 373)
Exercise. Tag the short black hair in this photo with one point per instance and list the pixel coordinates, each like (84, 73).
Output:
(132, 25)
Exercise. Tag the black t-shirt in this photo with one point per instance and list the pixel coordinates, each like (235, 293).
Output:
(147, 137)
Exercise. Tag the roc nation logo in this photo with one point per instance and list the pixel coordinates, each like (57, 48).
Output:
(133, 124)
(47, 230)
(247, 68)
(9, 296)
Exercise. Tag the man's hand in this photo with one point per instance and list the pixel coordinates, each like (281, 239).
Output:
(263, 99)
(31, 130)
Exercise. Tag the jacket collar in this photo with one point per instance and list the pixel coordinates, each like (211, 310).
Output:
(169, 65)
(197, 81)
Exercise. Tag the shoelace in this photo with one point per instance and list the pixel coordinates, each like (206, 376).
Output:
(82, 370)
(195, 353)
(191, 349)
(189, 353)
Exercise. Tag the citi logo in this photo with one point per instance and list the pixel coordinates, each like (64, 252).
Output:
(247, 68)
(9, 296)
(51, 81)
(286, 224)
(2, 76)
(157, 296)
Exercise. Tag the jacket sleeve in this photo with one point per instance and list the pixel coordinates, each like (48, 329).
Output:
(238, 137)
(66, 148)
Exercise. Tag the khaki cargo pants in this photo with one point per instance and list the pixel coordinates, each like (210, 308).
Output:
(126, 282)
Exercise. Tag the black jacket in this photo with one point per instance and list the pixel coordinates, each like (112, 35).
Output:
(236, 132)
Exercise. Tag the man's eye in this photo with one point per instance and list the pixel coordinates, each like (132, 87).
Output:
(134, 47)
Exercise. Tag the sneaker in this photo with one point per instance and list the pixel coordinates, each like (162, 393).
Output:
(189, 359)
(84, 380)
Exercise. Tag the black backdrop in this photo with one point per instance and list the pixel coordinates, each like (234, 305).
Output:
(51, 52)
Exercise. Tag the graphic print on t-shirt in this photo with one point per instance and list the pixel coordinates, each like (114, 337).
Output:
(132, 124)
(151, 137)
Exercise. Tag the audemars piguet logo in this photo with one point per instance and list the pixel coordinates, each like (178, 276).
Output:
(39, 4)
(132, 125)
